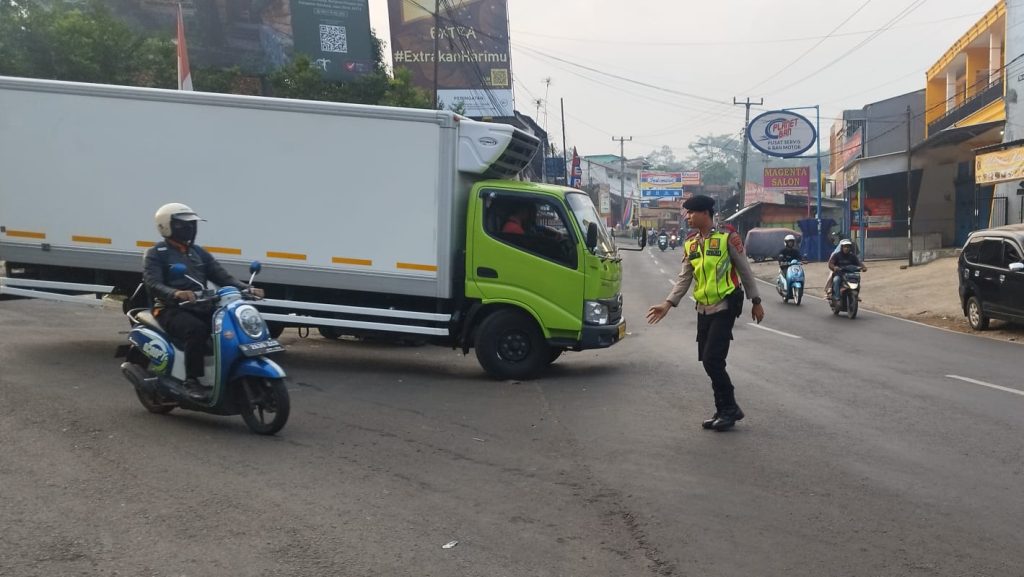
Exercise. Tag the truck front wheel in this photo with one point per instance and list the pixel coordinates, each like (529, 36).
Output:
(509, 345)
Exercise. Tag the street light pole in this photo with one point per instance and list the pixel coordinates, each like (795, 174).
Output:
(622, 171)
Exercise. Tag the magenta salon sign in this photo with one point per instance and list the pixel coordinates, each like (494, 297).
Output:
(781, 133)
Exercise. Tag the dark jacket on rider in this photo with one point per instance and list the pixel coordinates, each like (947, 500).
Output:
(199, 265)
(789, 254)
(841, 259)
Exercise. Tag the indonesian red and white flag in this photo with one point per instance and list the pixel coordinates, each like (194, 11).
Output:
(184, 74)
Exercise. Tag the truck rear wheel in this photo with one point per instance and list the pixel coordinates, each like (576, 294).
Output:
(509, 345)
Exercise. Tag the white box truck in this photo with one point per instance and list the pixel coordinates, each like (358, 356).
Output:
(367, 220)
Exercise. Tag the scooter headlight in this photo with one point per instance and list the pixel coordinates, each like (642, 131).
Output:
(595, 313)
(250, 321)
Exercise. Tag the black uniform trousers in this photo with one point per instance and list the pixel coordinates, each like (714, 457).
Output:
(190, 330)
(714, 333)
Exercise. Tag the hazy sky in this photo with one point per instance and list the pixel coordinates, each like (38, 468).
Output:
(713, 50)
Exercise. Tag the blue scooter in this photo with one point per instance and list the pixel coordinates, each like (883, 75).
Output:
(791, 285)
(243, 380)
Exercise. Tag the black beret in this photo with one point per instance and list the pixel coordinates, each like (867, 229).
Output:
(699, 203)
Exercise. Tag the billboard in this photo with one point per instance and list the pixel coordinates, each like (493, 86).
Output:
(999, 166)
(259, 36)
(472, 52)
(781, 133)
(877, 214)
(658, 184)
(796, 179)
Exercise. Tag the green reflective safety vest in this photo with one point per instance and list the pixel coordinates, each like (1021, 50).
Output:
(712, 268)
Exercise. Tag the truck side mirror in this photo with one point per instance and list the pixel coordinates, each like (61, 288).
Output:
(592, 236)
(643, 236)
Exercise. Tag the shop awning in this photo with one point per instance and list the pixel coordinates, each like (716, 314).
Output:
(958, 135)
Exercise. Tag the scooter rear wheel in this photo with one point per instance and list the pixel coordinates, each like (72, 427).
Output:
(153, 405)
(265, 404)
(799, 295)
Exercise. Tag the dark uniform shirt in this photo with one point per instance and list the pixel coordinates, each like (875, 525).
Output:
(199, 265)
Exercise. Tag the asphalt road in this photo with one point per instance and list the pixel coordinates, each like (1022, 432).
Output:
(871, 447)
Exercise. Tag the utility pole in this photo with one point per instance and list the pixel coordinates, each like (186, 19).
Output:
(743, 167)
(910, 196)
(622, 157)
(564, 151)
(437, 56)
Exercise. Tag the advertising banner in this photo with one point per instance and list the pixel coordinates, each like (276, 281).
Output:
(781, 133)
(691, 178)
(657, 184)
(999, 166)
(877, 214)
(335, 35)
(796, 179)
(259, 36)
(576, 171)
(473, 65)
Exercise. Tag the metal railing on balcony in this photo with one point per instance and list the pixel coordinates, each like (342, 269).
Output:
(987, 96)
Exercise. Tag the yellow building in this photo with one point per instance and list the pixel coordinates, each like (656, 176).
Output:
(965, 110)
(965, 87)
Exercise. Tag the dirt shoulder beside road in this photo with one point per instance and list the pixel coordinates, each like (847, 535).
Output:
(926, 293)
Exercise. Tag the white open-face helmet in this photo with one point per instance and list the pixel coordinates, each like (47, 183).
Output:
(846, 242)
(176, 211)
(789, 237)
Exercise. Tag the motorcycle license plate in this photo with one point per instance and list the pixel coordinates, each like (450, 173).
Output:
(261, 348)
(622, 331)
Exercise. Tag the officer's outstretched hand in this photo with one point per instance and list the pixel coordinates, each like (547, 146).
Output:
(757, 313)
(658, 312)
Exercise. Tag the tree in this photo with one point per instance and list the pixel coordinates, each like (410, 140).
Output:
(81, 42)
(664, 159)
(718, 158)
(85, 42)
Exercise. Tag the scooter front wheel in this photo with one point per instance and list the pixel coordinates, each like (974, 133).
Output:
(265, 404)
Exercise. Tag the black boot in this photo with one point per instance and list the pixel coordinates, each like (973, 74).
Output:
(709, 423)
(727, 419)
(196, 390)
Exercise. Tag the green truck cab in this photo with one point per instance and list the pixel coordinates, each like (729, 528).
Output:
(544, 286)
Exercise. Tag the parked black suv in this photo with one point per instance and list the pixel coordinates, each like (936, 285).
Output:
(991, 271)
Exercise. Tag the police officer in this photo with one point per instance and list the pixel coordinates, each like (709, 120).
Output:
(712, 259)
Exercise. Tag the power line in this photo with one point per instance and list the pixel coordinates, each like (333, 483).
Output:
(605, 42)
(809, 50)
(914, 5)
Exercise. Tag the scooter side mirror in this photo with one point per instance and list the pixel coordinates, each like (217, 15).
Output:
(255, 267)
(1017, 267)
(178, 271)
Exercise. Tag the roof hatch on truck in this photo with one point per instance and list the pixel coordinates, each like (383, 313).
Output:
(494, 150)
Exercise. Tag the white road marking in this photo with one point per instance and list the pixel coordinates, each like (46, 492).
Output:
(661, 270)
(984, 384)
(757, 326)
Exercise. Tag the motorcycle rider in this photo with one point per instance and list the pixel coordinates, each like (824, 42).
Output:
(843, 257)
(188, 326)
(789, 253)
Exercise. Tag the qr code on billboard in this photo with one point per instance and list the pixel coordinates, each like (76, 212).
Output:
(499, 78)
(333, 39)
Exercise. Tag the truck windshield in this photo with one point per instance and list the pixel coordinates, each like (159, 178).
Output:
(585, 214)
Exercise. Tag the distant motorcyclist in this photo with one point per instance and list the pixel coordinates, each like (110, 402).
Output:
(178, 224)
(788, 254)
(839, 259)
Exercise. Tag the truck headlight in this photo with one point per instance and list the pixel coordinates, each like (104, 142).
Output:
(595, 313)
(250, 321)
